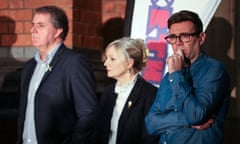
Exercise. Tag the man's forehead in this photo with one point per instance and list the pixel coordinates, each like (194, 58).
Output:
(41, 18)
(182, 27)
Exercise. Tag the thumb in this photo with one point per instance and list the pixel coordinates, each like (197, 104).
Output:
(180, 52)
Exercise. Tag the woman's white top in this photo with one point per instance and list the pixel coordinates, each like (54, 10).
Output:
(122, 91)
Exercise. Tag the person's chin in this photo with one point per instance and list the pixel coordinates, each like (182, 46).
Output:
(35, 44)
(109, 75)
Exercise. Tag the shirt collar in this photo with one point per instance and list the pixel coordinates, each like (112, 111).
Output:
(198, 63)
(49, 56)
(129, 85)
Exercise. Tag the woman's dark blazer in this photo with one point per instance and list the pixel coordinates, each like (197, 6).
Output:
(131, 126)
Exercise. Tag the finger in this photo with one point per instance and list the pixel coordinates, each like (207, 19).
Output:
(180, 52)
(196, 127)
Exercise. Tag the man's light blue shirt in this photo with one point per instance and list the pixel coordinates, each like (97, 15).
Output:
(29, 132)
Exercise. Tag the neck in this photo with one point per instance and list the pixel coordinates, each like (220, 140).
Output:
(125, 79)
(45, 50)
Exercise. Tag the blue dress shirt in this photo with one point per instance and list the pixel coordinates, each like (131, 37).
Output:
(29, 133)
(191, 97)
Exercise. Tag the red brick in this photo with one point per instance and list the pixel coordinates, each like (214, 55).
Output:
(21, 14)
(68, 41)
(3, 27)
(90, 17)
(76, 15)
(4, 12)
(38, 3)
(94, 5)
(77, 40)
(110, 16)
(15, 3)
(85, 19)
(23, 40)
(108, 7)
(92, 29)
(80, 4)
(27, 27)
(69, 13)
(13, 27)
(8, 39)
(19, 27)
(4, 4)
(79, 28)
(120, 8)
(70, 30)
(91, 42)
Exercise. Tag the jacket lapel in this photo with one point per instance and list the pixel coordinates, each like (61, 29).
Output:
(28, 75)
(130, 104)
(53, 64)
(26, 80)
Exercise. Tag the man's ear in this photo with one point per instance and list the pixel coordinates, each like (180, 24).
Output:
(202, 37)
(58, 33)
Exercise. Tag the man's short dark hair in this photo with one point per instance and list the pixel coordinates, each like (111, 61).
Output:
(185, 15)
(58, 18)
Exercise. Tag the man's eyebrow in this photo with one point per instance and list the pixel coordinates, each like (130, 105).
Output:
(39, 23)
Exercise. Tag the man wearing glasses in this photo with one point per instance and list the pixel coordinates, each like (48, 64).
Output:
(193, 97)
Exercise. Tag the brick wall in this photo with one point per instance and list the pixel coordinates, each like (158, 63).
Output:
(113, 13)
(113, 8)
(86, 20)
(93, 24)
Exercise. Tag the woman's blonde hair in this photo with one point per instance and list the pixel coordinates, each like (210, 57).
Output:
(132, 48)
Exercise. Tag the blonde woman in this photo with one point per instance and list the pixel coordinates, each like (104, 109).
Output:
(125, 103)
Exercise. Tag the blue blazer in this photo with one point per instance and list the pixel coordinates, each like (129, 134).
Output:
(131, 126)
(65, 102)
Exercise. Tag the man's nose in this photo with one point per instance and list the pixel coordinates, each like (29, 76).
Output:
(33, 29)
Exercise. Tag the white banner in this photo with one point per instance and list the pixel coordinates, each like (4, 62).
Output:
(149, 22)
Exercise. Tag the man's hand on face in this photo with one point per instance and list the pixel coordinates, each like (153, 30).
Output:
(176, 61)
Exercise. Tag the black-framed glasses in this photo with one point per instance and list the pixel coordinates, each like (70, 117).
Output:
(184, 37)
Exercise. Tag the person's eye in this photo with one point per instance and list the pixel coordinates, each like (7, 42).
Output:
(172, 36)
(184, 35)
(112, 59)
(41, 25)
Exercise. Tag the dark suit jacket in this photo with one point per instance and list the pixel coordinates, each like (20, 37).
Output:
(65, 102)
(131, 127)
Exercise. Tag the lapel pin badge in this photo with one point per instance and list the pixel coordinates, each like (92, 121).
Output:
(49, 67)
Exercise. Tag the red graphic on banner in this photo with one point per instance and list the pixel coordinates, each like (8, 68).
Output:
(156, 31)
